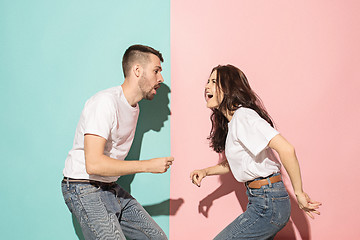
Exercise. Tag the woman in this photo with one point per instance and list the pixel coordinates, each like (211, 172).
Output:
(244, 130)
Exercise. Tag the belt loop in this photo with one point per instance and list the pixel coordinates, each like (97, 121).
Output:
(67, 182)
(270, 184)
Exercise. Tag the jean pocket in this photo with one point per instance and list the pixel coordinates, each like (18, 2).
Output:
(254, 192)
(259, 204)
(86, 189)
(281, 211)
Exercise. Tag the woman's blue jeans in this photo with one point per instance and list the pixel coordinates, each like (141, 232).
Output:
(109, 213)
(267, 213)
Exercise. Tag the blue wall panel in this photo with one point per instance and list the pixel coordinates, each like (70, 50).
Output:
(53, 56)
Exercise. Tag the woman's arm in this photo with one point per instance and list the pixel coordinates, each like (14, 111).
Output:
(197, 175)
(288, 158)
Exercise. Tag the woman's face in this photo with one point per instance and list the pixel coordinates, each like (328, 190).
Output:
(213, 95)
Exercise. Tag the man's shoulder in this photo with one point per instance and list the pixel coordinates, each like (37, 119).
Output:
(112, 94)
(113, 91)
(108, 97)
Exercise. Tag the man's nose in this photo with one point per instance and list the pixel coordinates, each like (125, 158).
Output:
(161, 79)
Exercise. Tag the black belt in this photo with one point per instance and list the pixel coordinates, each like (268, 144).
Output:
(92, 182)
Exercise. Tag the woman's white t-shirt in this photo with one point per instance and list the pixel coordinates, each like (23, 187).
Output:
(109, 115)
(246, 146)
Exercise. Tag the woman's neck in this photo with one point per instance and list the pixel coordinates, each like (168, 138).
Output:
(228, 115)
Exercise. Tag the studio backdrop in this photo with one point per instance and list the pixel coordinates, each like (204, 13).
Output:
(300, 57)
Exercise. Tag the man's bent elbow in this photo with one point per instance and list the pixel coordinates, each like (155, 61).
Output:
(90, 167)
(90, 170)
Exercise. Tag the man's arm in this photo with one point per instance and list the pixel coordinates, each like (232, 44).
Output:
(99, 164)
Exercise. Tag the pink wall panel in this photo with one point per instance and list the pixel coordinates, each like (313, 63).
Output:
(302, 58)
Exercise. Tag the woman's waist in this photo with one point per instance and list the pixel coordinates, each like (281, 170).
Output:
(264, 181)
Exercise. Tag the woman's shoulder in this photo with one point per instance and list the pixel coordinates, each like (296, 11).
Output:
(245, 113)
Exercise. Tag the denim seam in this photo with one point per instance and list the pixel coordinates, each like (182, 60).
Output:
(140, 229)
(244, 229)
(85, 217)
(123, 218)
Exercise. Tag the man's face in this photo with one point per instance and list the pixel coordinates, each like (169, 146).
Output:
(151, 78)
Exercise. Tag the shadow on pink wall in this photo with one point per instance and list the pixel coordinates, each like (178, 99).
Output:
(228, 184)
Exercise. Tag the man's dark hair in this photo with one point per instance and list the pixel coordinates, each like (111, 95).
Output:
(138, 53)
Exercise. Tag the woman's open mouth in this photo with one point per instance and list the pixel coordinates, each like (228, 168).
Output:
(208, 96)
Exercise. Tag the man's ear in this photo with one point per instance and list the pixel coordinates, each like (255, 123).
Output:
(137, 70)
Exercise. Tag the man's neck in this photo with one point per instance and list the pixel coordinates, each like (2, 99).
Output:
(131, 93)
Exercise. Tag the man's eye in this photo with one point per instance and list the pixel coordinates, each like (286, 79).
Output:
(156, 71)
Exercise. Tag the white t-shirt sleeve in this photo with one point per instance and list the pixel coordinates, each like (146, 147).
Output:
(99, 116)
(253, 131)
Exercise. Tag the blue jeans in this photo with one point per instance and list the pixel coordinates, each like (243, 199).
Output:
(267, 213)
(109, 212)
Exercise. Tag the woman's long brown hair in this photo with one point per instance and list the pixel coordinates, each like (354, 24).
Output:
(237, 93)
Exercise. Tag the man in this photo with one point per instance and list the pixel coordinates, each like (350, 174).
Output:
(102, 140)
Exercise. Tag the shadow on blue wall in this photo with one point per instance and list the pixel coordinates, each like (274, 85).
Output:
(152, 116)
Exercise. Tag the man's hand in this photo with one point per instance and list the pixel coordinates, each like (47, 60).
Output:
(159, 165)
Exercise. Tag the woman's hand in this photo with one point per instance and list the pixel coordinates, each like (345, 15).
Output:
(308, 205)
(197, 176)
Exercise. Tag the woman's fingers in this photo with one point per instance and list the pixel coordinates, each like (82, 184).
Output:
(196, 180)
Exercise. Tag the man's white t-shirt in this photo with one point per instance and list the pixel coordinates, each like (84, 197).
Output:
(109, 115)
(246, 146)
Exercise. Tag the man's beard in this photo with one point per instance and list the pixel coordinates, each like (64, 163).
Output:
(149, 95)
(142, 85)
